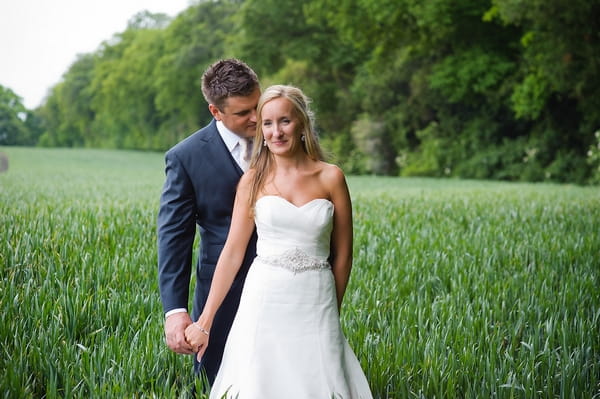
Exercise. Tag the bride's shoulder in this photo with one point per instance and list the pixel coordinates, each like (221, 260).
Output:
(331, 174)
(248, 176)
(246, 180)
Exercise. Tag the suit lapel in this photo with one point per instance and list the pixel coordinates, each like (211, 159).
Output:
(219, 155)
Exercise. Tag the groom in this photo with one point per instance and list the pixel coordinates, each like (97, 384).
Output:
(202, 173)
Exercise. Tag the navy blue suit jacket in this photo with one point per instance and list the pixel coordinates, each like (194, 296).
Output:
(199, 190)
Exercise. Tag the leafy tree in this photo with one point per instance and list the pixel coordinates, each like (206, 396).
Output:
(193, 40)
(417, 48)
(290, 42)
(505, 89)
(123, 85)
(67, 112)
(557, 85)
(124, 100)
(13, 116)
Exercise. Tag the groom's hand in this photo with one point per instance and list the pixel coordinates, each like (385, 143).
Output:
(175, 326)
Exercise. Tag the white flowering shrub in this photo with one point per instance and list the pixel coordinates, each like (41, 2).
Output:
(593, 157)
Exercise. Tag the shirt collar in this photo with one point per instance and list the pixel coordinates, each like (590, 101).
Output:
(229, 138)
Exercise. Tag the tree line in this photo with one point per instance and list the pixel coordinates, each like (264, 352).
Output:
(495, 89)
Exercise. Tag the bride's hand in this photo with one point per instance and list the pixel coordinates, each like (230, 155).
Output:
(197, 337)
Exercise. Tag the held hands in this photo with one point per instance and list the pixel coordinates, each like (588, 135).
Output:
(197, 337)
(183, 336)
(175, 326)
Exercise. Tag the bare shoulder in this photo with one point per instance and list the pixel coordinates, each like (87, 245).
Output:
(246, 181)
(333, 180)
(332, 175)
(248, 176)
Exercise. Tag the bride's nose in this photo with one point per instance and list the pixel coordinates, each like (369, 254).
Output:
(277, 131)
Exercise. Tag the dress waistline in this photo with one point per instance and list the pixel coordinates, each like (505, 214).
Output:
(295, 260)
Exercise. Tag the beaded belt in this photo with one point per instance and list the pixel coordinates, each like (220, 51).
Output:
(295, 260)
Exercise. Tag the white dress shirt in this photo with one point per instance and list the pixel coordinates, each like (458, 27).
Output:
(232, 141)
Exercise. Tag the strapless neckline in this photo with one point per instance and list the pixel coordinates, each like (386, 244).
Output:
(314, 200)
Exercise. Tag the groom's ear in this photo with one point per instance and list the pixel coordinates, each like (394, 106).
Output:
(214, 111)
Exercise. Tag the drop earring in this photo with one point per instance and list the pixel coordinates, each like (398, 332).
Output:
(264, 143)
(302, 138)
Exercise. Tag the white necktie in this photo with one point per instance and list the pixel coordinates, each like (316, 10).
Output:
(245, 153)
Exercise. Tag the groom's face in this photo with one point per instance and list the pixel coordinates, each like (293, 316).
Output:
(239, 114)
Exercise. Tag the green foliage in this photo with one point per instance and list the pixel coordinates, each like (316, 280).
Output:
(271, 31)
(558, 82)
(18, 126)
(124, 98)
(353, 161)
(459, 288)
(471, 76)
(141, 88)
(194, 39)
(425, 161)
(436, 88)
(68, 111)
(530, 97)
(290, 42)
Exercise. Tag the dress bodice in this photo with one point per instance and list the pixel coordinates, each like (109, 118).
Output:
(283, 227)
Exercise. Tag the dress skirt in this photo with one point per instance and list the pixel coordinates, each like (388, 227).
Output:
(287, 342)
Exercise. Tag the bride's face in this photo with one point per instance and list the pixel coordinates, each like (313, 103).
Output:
(280, 126)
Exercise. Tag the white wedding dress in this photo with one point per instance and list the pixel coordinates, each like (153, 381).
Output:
(286, 340)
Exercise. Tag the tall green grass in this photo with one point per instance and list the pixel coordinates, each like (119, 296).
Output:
(460, 289)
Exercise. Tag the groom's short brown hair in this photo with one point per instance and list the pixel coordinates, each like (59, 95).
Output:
(227, 78)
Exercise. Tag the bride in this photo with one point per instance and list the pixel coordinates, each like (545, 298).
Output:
(286, 340)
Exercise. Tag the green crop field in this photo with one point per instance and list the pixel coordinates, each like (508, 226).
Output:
(460, 289)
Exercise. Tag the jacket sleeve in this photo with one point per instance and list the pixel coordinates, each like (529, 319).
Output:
(176, 229)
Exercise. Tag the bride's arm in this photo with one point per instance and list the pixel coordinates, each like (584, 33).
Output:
(342, 234)
(229, 263)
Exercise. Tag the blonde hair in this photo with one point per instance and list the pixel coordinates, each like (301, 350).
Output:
(262, 158)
